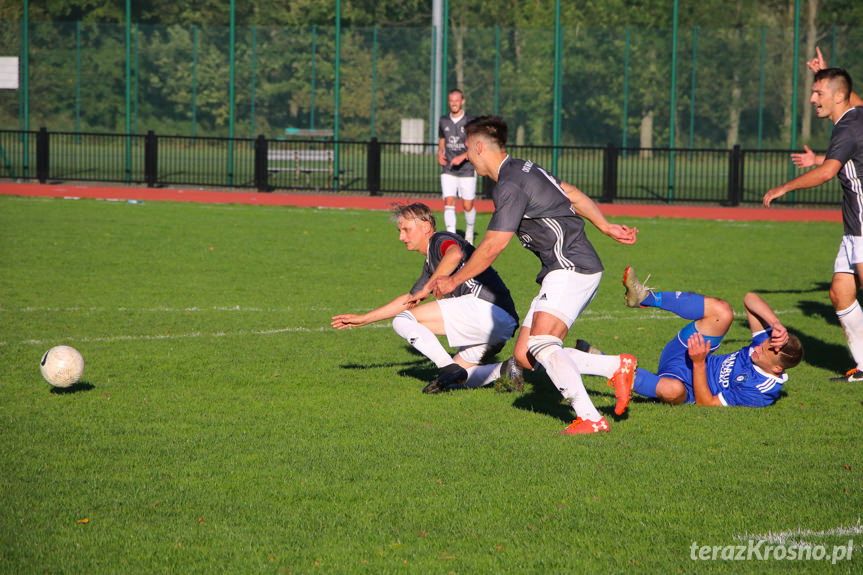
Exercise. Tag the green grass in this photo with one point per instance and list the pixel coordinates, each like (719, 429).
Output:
(223, 426)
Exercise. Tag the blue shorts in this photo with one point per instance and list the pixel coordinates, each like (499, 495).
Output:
(675, 363)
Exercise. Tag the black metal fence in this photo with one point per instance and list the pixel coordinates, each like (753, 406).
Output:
(607, 174)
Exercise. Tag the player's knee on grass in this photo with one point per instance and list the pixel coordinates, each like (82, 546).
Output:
(718, 316)
(671, 391)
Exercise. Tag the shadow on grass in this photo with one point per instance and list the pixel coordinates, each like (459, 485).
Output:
(819, 309)
(77, 388)
(543, 397)
(829, 356)
(816, 288)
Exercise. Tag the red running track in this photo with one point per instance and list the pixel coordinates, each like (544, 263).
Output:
(339, 201)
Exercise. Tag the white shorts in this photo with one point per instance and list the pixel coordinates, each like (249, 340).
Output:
(564, 294)
(850, 253)
(455, 186)
(472, 322)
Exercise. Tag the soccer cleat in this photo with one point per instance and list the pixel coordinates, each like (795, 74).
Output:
(452, 374)
(622, 381)
(511, 378)
(580, 426)
(584, 346)
(851, 376)
(636, 292)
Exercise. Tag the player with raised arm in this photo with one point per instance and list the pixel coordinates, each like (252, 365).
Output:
(752, 376)
(831, 96)
(547, 216)
(478, 317)
(458, 177)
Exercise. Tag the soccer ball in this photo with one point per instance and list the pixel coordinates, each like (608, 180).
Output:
(62, 366)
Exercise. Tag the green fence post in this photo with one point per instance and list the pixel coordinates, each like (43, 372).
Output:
(312, 97)
(496, 69)
(558, 75)
(444, 66)
(194, 82)
(625, 91)
(761, 94)
(78, 82)
(231, 94)
(137, 83)
(794, 90)
(692, 97)
(673, 104)
(128, 90)
(374, 72)
(254, 53)
(336, 94)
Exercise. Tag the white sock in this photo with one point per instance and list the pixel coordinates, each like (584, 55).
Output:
(548, 350)
(594, 363)
(422, 338)
(469, 220)
(851, 320)
(449, 218)
(482, 375)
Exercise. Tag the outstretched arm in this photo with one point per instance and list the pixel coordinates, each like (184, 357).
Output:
(761, 316)
(587, 208)
(698, 352)
(814, 177)
(493, 242)
(387, 311)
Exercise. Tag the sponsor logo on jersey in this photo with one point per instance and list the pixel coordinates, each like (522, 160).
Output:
(527, 166)
(726, 369)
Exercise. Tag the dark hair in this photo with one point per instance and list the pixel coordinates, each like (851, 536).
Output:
(492, 127)
(838, 78)
(791, 353)
(416, 211)
(456, 91)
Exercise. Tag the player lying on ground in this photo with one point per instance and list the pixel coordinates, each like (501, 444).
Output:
(547, 216)
(478, 317)
(751, 376)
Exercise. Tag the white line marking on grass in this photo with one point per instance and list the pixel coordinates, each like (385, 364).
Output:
(192, 335)
(795, 536)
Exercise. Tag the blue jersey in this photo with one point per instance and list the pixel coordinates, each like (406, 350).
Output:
(736, 381)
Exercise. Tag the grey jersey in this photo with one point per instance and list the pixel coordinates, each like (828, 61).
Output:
(846, 146)
(531, 203)
(452, 133)
(486, 286)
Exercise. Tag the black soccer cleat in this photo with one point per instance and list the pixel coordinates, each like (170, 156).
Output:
(452, 374)
(852, 376)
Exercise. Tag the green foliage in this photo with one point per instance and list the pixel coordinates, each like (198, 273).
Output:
(223, 426)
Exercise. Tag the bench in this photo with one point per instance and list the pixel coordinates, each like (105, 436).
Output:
(300, 161)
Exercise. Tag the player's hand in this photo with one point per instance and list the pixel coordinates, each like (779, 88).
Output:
(772, 194)
(622, 234)
(817, 63)
(347, 320)
(418, 297)
(778, 337)
(441, 158)
(698, 348)
(459, 160)
(804, 159)
(441, 286)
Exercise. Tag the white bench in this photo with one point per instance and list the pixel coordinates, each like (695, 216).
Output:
(300, 161)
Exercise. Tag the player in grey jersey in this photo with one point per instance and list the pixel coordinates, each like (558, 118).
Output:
(833, 98)
(547, 216)
(457, 177)
(478, 317)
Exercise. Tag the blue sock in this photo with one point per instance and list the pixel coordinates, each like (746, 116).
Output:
(686, 304)
(645, 383)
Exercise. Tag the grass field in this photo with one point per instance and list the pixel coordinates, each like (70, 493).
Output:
(223, 427)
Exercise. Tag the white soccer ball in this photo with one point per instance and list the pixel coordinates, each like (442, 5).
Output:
(62, 366)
